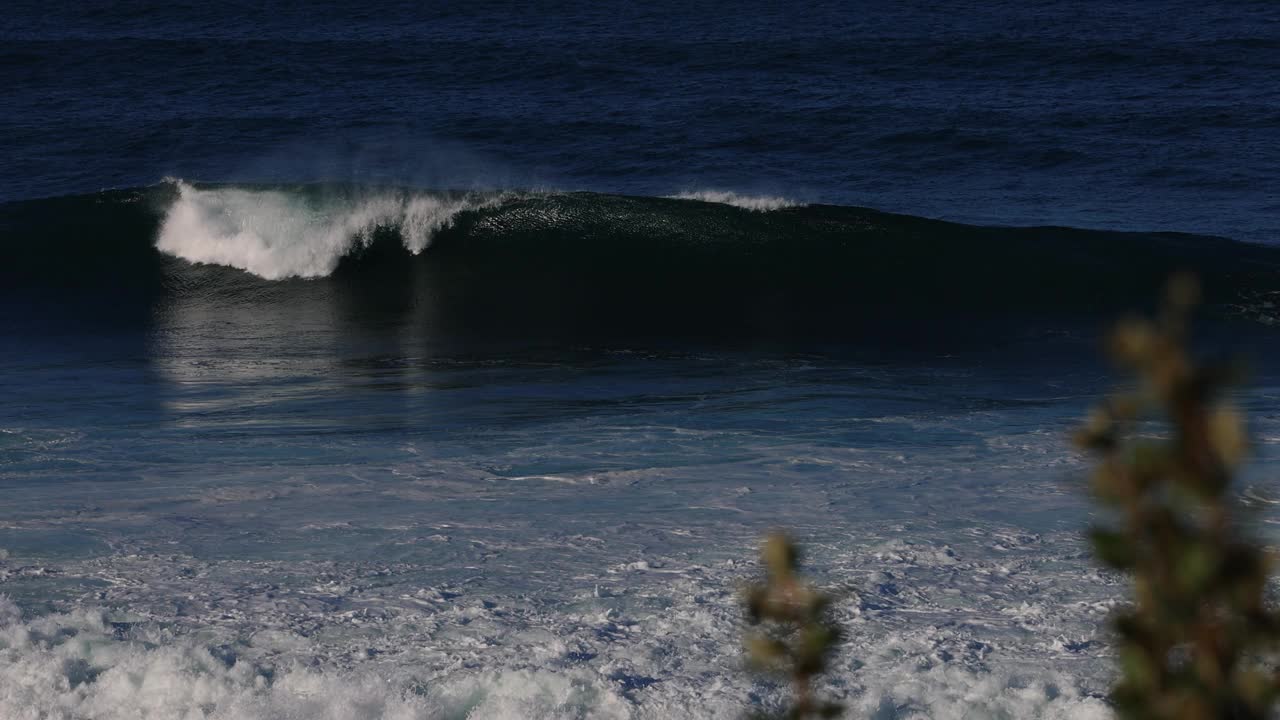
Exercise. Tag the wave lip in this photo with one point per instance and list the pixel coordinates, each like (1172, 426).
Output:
(276, 234)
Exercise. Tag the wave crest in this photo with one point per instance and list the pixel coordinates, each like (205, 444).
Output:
(755, 203)
(276, 234)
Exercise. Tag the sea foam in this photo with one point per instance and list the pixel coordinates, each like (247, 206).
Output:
(278, 235)
(80, 664)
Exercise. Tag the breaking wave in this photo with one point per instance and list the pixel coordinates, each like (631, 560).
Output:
(700, 263)
(275, 234)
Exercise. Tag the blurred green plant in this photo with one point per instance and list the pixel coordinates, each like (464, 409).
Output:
(796, 637)
(1192, 644)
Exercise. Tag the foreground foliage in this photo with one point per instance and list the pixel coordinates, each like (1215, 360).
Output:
(797, 637)
(1197, 642)
(1191, 644)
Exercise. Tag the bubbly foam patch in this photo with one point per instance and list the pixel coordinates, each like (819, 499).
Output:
(757, 203)
(81, 665)
(279, 235)
(656, 638)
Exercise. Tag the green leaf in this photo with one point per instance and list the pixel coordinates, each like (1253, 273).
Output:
(1113, 548)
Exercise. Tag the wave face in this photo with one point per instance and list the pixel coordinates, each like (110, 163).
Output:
(700, 264)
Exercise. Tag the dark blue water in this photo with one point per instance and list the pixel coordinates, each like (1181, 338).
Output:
(437, 361)
(1110, 114)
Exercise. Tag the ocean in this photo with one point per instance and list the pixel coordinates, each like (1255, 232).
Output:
(450, 360)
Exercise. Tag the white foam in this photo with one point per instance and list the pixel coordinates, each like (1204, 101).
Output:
(427, 583)
(277, 235)
(756, 203)
(80, 665)
(653, 638)
(948, 693)
(73, 665)
(10, 613)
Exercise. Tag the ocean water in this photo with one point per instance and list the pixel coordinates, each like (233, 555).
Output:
(450, 361)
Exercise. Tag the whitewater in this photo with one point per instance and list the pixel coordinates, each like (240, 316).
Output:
(276, 235)
(374, 595)
(297, 521)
